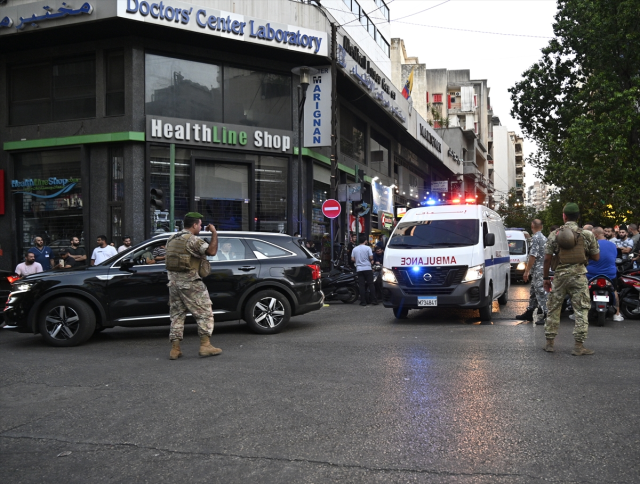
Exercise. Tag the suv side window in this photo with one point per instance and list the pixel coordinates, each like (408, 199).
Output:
(265, 250)
(152, 253)
(230, 248)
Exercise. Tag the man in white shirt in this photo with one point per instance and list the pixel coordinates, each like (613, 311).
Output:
(103, 251)
(126, 243)
(362, 257)
(29, 266)
(225, 251)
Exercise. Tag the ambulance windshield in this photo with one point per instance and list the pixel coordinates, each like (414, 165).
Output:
(435, 233)
(517, 247)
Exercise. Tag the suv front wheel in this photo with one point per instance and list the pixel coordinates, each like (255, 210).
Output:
(267, 312)
(66, 321)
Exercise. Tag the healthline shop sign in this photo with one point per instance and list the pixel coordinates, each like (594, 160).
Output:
(187, 16)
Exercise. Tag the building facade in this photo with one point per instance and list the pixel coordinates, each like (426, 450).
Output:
(196, 103)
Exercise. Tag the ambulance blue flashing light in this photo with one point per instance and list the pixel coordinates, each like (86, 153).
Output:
(415, 268)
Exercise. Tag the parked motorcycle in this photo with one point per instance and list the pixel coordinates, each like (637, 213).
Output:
(602, 293)
(629, 292)
(340, 284)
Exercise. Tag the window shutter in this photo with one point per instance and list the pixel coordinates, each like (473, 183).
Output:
(475, 100)
(449, 101)
(427, 97)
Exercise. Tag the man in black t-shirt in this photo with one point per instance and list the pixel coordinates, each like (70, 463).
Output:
(76, 252)
(66, 260)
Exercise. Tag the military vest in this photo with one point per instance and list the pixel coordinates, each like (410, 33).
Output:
(577, 254)
(178, 258)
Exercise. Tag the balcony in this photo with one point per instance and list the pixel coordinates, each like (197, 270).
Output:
(470, 169)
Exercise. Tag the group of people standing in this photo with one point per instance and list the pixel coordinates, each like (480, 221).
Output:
(41, 257)
(592, 254)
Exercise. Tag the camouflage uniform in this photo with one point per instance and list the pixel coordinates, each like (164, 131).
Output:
(569, 279)
(537, 294)
(188, 294)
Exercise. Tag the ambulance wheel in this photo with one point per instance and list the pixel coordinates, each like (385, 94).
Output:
(504, 299)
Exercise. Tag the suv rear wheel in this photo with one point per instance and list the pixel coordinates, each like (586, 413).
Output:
(66, 321)
(267, 312)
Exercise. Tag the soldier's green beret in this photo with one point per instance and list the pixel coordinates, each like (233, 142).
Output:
(194, 215)
(571, 208)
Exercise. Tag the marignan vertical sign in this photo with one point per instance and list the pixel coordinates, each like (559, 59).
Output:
(317, 110)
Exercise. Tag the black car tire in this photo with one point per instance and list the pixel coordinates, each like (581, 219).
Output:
(487, 311)
(504, 299)
(267, 312)
(66, 321)
(400, 313)
(353, 295)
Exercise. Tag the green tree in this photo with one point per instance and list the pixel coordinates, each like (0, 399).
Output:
(580, 104)
(514, 212)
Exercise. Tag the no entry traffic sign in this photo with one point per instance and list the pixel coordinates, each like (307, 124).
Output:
(331, 208)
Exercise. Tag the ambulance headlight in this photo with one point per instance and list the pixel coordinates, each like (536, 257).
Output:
(474, 273)
(389, 276)
(521, 267)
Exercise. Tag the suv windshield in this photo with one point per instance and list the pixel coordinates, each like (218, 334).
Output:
(435, 233)
(517, 247)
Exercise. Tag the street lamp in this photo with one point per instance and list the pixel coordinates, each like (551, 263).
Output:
(305, 74)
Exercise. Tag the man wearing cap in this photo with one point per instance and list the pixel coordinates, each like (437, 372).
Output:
(569, 277)
(187, 292)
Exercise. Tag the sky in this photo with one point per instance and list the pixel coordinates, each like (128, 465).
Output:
(501, 59)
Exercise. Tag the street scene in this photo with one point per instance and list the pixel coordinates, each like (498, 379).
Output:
(346, 394)
(320, 241)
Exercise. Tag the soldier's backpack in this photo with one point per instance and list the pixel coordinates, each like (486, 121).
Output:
(178, 259)
(574, 255)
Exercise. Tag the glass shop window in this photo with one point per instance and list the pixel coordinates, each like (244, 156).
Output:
(257, 98)
(114, 83)
(271, 177)
(182, 88)
(159, 178)
(379, 153)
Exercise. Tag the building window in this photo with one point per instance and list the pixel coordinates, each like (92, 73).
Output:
(383, 9)
(114, 83)
(160, 164)
(347, 3)
(116, 195)
(48, 198)
(271, 176)
(437, 98)
(352, 131)
(180, 88)
(371, 28)
(384, 45)
(257, 98)
(53, 91)
(379, 153)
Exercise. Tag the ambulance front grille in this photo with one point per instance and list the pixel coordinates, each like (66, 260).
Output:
(441, 276)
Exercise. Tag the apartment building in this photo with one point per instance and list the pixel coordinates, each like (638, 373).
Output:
(538, 195)
(502, 160)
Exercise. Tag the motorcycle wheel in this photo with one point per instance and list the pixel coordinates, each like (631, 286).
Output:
(353, 295)
(601, 318)
(626, 310)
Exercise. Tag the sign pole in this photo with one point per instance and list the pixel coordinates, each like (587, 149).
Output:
(355, 214)
(172, 186)
(332, 252)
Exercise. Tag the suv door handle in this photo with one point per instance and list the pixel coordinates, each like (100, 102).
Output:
(246, 268)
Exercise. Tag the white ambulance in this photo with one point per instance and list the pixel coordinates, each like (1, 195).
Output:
(451, 255)
(518, 252)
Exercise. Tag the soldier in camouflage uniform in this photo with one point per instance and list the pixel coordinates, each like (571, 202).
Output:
(187, 292)
(537, 294)
(569, 279)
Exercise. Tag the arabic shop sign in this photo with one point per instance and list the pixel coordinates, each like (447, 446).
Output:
(317, 109)
(227, 136)
(186, 16)
(351, 59)
(454, 155)
(49, 14)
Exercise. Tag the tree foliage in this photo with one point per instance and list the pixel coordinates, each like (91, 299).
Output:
(514, 212)
(581, 104)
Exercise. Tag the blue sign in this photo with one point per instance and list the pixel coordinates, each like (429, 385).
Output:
(382, 198)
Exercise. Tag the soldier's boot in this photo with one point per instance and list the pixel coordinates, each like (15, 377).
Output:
(175, 350)
(206, 349)
(579, 350)
(542, 320)
(526, 316)
(549, 348)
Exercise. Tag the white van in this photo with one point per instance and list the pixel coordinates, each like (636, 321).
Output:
(518, 253)
(446, 255)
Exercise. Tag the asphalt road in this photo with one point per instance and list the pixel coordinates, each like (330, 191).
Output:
(345, 394)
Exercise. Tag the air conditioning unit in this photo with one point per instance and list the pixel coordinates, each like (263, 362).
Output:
(458, 93)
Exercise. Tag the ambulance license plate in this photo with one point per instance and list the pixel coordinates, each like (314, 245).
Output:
(601, 298)
(427, 301)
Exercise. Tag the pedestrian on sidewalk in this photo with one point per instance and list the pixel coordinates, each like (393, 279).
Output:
(362, 257)
(29, 266)
(187, 293)
(574, 247)
(43, 254)
(103, 251)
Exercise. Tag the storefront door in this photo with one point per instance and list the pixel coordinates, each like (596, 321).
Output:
(223, 194)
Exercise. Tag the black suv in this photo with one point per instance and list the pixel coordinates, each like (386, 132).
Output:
(259, 277)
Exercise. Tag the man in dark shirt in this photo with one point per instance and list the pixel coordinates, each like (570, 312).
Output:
(66, 260)
(43, 254)
(76, 252)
